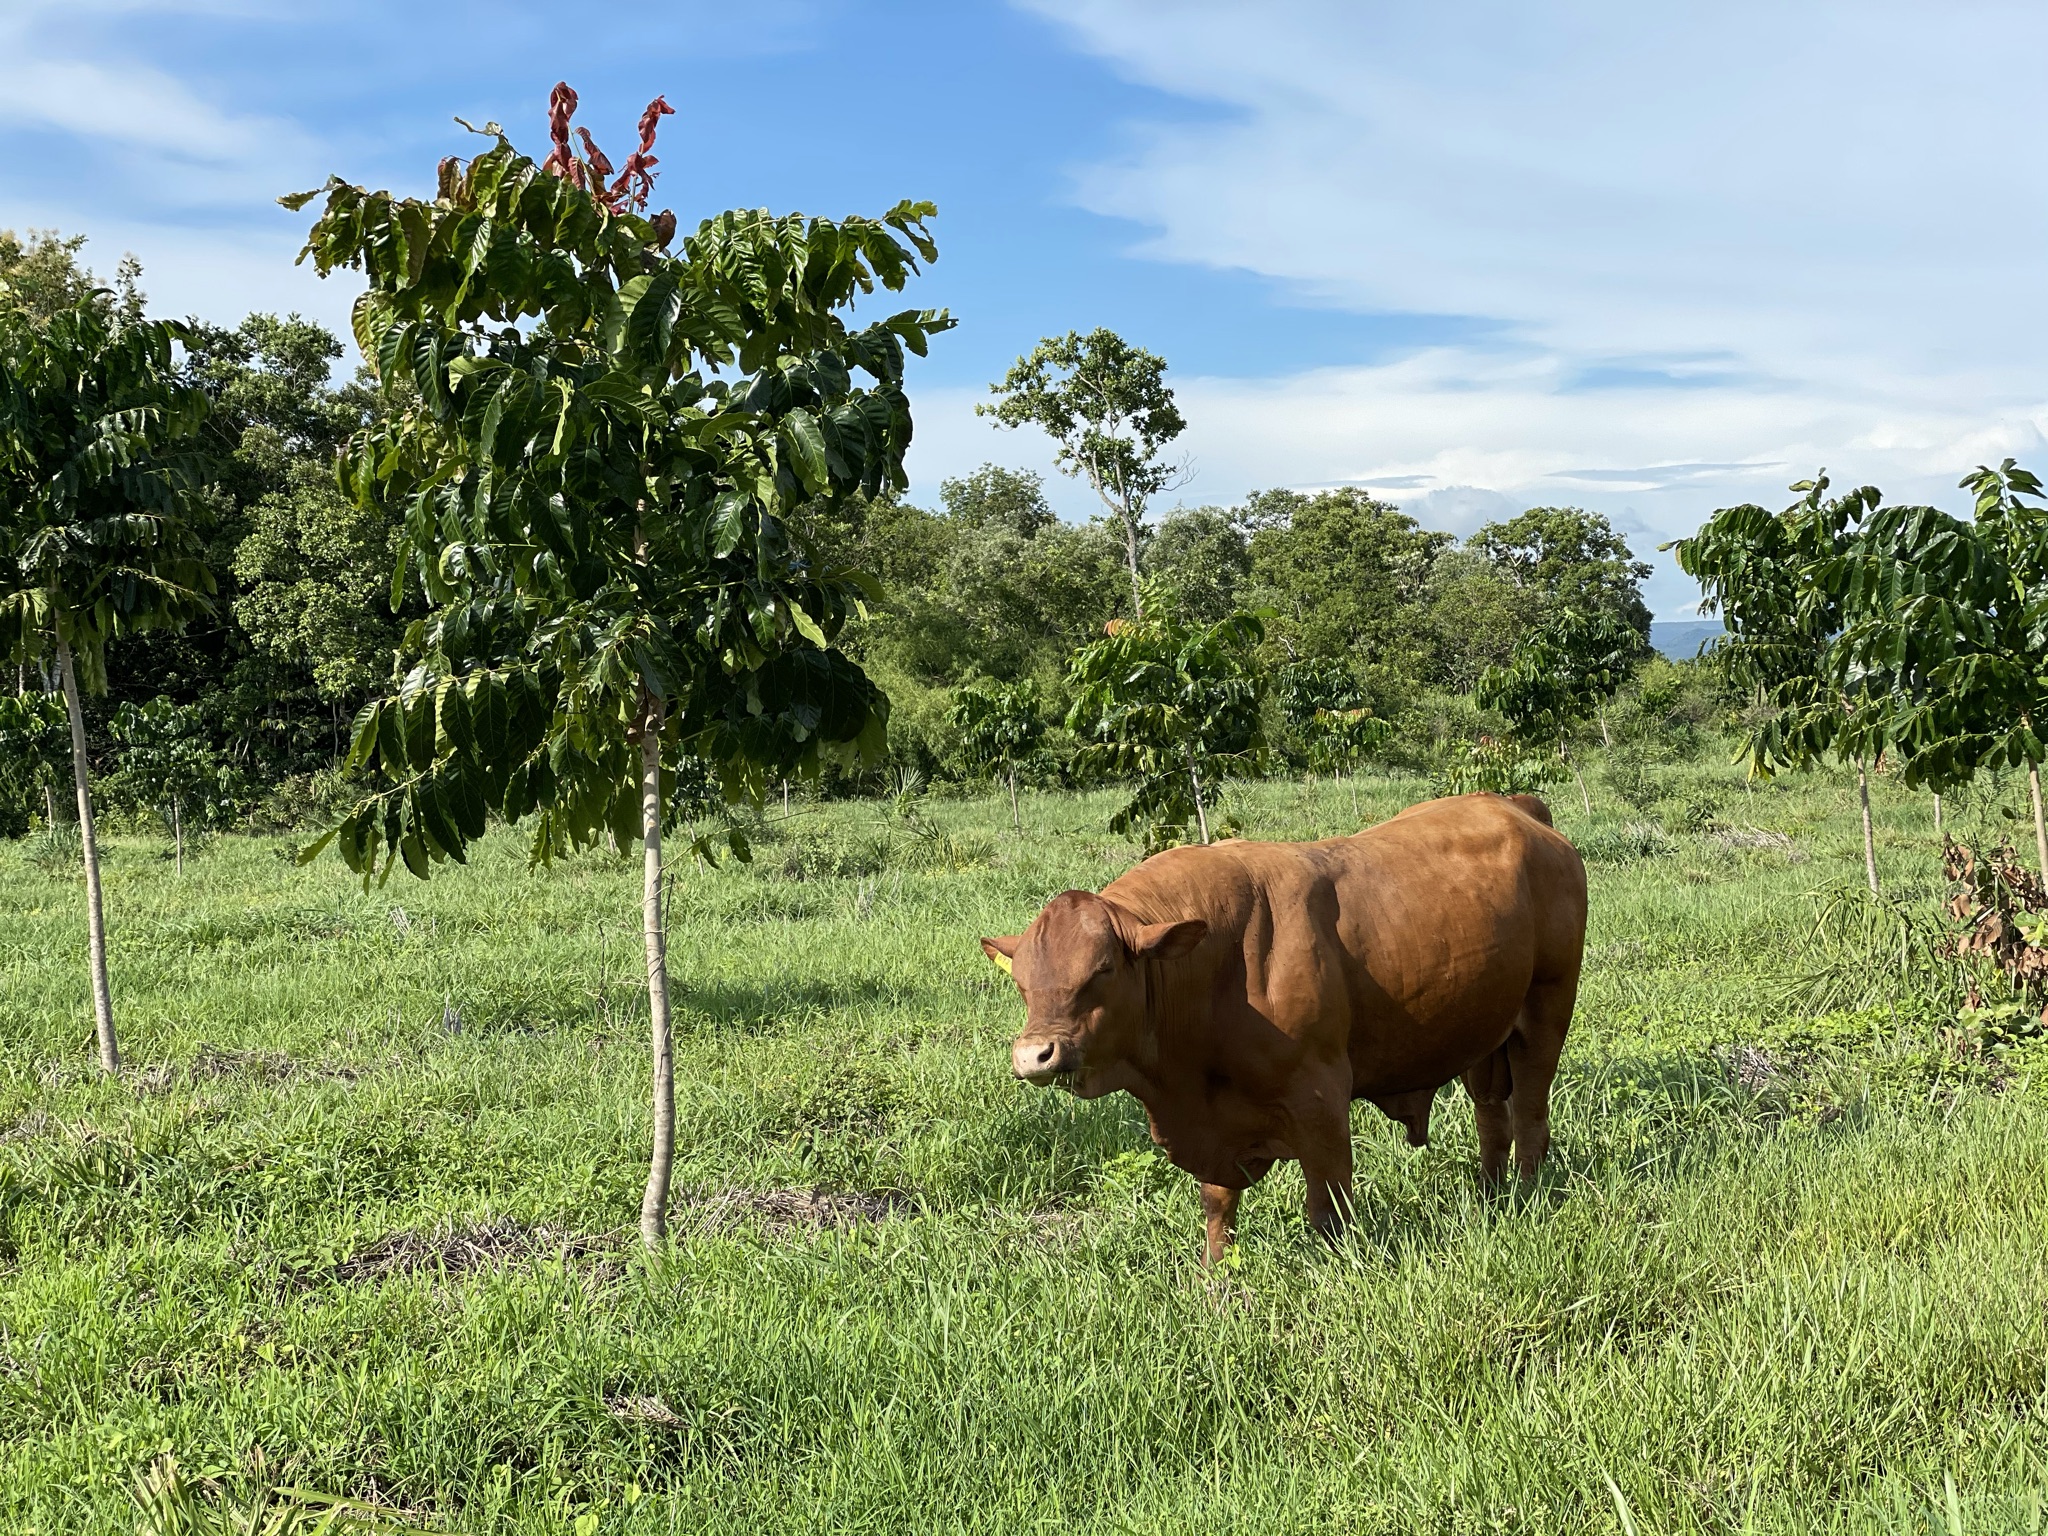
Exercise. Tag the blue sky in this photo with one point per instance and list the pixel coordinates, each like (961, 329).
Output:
(1652, 260)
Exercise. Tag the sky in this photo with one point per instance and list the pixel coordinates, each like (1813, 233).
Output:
(1649, 260)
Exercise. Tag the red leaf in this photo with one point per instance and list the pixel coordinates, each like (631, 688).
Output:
(599, 165)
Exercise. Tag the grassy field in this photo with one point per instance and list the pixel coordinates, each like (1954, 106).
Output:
(360, 1208)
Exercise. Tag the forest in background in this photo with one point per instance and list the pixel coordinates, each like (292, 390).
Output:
(988, 586)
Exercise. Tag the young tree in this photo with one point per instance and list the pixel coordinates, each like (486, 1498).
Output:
(1000, 726)
(1777, 581)
(1105, 405)
(1173, 705)
(167, 763)
(1952, 617)
(1325, 709)
(99, 469)
(601, 445)
(1559, 679)
(35, 745)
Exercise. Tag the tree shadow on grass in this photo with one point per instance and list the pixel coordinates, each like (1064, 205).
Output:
(733, 1008)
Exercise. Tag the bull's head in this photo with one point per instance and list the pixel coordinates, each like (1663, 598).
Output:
(1080, 966)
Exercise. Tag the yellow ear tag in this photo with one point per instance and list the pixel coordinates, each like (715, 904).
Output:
(1002, 962)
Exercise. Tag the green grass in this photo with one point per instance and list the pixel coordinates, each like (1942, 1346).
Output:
(1788, 1272)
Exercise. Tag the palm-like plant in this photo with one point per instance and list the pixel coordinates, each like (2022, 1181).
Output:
(99, 465)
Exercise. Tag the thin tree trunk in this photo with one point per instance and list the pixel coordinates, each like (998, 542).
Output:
(1016, 818)
(1605, 739)
(1584, 799)
(2040, 823)
(654, 1204)
(178, 833)
(1131, 553)
(95, 919)
(1869, 842)
(1937, 815)
(50, 804)
(1201, 816)
(1356, 813)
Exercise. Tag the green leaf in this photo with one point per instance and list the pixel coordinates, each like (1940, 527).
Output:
(805, 446)
(807, 626)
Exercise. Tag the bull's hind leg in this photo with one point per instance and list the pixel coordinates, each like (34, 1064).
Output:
(1490, 1084)
(1532, 1052)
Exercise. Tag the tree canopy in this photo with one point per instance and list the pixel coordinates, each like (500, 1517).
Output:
(1107, 408)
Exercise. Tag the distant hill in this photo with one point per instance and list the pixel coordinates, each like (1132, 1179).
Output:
(1681, 639)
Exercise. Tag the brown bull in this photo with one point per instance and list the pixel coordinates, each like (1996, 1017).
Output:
(1246, 993)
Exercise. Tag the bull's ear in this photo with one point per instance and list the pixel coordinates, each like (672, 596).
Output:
(1002, 950)
(1168, 941)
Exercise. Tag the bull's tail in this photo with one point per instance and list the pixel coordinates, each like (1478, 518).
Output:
(1534, 807)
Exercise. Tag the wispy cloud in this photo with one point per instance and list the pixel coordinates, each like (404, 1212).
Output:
(1719, 246)
(175, 147)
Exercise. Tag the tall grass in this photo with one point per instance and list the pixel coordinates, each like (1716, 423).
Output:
(358, 1218)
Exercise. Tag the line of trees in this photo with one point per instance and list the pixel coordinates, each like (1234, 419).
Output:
(614, 512)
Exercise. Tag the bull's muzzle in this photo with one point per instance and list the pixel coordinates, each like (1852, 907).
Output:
(1041, 1060)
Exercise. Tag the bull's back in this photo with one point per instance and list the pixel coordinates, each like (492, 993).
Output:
(1457, 907)
(1410, 945)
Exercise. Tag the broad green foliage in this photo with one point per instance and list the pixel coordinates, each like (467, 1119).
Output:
(1569, 558)
(1953, 617)
(1202, 557)
(1344, 575)
(1173, 706)
(99, 470)
(1326, 712)
(1000, 726)
(168, 764)
(988, 586)
(1561, 676)
(1475, 614)
(43, 276)
(35, 739)
(1776, 580)
(1107, 408)
(1496, 765)
(599, 446)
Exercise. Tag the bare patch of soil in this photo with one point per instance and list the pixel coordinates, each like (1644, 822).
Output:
(463, 1250)
(212, 1062)
(1760, 838)
(1751, 1066)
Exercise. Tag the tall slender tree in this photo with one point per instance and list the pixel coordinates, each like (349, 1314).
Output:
(99, 520)
(600, 444)
(1106, 406)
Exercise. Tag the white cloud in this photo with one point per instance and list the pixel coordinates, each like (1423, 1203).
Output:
(175, 147)
(1816, 223)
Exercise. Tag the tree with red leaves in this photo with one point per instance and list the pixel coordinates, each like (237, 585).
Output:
(601, 509)
(635, 180)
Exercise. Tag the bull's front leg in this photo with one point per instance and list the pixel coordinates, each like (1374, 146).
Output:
(1323, 1144)
(1219, 1218)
